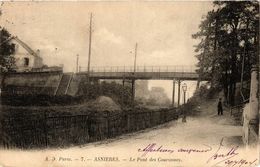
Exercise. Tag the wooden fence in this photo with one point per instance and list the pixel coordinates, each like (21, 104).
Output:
(44, 129)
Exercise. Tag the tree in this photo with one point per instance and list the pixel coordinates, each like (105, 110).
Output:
(7, 60)
(229, 44)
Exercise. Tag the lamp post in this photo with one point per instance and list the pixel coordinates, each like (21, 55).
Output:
(184, 89)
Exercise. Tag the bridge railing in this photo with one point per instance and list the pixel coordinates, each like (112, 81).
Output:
(185, 69)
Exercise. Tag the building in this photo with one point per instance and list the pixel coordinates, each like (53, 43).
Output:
(26, 58)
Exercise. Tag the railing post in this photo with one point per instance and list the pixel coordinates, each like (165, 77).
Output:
(45, 128)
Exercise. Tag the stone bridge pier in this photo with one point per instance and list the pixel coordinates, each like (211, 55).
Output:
(251, 112)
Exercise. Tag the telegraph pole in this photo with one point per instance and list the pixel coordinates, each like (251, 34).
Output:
(77, 64)
(89, 47)
(135, 58)
(133, 80)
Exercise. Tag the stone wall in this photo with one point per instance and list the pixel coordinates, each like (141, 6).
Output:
(251, 113)
(75, 83)
(37, 83)
(30, 83)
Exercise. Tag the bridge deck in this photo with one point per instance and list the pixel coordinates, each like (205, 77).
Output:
(144, 75)
(143, 72)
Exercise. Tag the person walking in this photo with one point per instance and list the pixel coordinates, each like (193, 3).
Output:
(220, 108)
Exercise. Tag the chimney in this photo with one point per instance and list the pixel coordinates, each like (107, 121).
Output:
(38, 52)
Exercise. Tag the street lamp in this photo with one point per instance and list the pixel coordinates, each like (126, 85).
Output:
(184, 89)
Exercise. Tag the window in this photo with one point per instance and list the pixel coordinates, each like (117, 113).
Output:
(26, 62)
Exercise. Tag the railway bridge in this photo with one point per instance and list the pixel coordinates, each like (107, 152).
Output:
(131, 73)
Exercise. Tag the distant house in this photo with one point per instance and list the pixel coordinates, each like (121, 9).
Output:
(26, 58)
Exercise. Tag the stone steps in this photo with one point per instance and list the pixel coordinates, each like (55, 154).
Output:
(64, 84)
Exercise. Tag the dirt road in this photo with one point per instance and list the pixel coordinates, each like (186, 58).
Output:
(204, 140)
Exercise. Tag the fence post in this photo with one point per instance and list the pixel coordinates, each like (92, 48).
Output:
(108, 130)
(128, 122)
(45, 129)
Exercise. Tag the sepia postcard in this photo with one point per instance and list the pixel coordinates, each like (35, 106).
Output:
(129, 83)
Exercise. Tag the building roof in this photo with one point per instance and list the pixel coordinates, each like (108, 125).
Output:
(24, 45)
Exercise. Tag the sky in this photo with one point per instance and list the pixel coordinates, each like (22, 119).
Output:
(162, 30)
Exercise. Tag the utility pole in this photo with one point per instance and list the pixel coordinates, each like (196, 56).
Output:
(89, 47)
(133, 80)
(77, 64)
(135, 58)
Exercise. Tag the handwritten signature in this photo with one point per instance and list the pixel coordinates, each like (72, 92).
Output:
(152, 148)
(227, 158)
(221, 157)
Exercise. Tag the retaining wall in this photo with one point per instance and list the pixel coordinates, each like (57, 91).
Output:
(37, 83)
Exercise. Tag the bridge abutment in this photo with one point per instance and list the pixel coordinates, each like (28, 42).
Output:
(133, 91)
(173, 92)
(179, 91)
